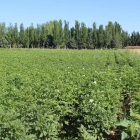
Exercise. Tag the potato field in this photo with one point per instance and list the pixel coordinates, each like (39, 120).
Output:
(69, 94)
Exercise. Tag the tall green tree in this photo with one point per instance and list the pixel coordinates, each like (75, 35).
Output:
(10, 35)
(31, 35)
(27, 41)
(108, 37)
(37, 33)
(95, 38)
(60, 39)
(3, 29)
(21, 35)
(77, 33)
(111, 31)
(15, 35)
(135, 38)
(55, 34)
(101, 37)
(125, 38)
(83, 35)
(72, 31)
(116, 41)
(117, 28)
(118, 35)
(66, 32)
(43, 36)
(89, 38)
(50, 27)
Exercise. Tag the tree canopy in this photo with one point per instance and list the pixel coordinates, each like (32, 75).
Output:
(54, 34)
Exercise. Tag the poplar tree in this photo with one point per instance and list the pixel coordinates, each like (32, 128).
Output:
(27, 37)
(89, 38)
(72, 31)
(77, 33)
(118, 29)
(37, 36)
(21, 35)
(125, 38)
(50, 27)
(15, 35)
(3, 29)
(108, 37)
(135, 38)
(31, 35)
(66, 32)
(55, 33)
(43, 36)
(60, 36)
(116, 41)
(95, 38)
(10, 35)
(83, 35)
(112, 33)
(101, 36)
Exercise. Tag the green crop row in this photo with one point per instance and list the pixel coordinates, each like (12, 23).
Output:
(69, 94)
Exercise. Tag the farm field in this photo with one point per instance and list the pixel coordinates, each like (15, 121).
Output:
(69, 94)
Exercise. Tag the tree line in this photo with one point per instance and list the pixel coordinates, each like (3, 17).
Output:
(57, 34)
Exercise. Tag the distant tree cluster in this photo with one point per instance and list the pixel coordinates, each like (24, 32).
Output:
(54, 34)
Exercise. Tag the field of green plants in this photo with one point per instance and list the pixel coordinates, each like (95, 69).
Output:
(69, 94)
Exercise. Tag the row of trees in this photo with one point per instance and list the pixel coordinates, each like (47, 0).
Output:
(54, 34)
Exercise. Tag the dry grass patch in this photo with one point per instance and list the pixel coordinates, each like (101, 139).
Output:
(135, 50)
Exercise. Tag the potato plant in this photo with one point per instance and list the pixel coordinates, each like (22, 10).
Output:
(66, 94)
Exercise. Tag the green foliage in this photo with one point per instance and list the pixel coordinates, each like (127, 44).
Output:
(3, 43)
(27, 38)
(95, 38)
(10, 35)
(83, 35)
(43, 36)
(89, 39)
(77, 32)
(49, 41)
(71, 44)
(31, 35)
(135, 38)
(60, 32)
(68, 94)
(22, 35)
(113, 36)
(16, 35)
(3, 29)
(101, 36)
(66, 32)
(55, 33)
(130, 129)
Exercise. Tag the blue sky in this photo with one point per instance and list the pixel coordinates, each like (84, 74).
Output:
(125, 12)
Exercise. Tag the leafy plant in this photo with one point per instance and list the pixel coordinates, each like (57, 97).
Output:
(130, 129)
(68, 94)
